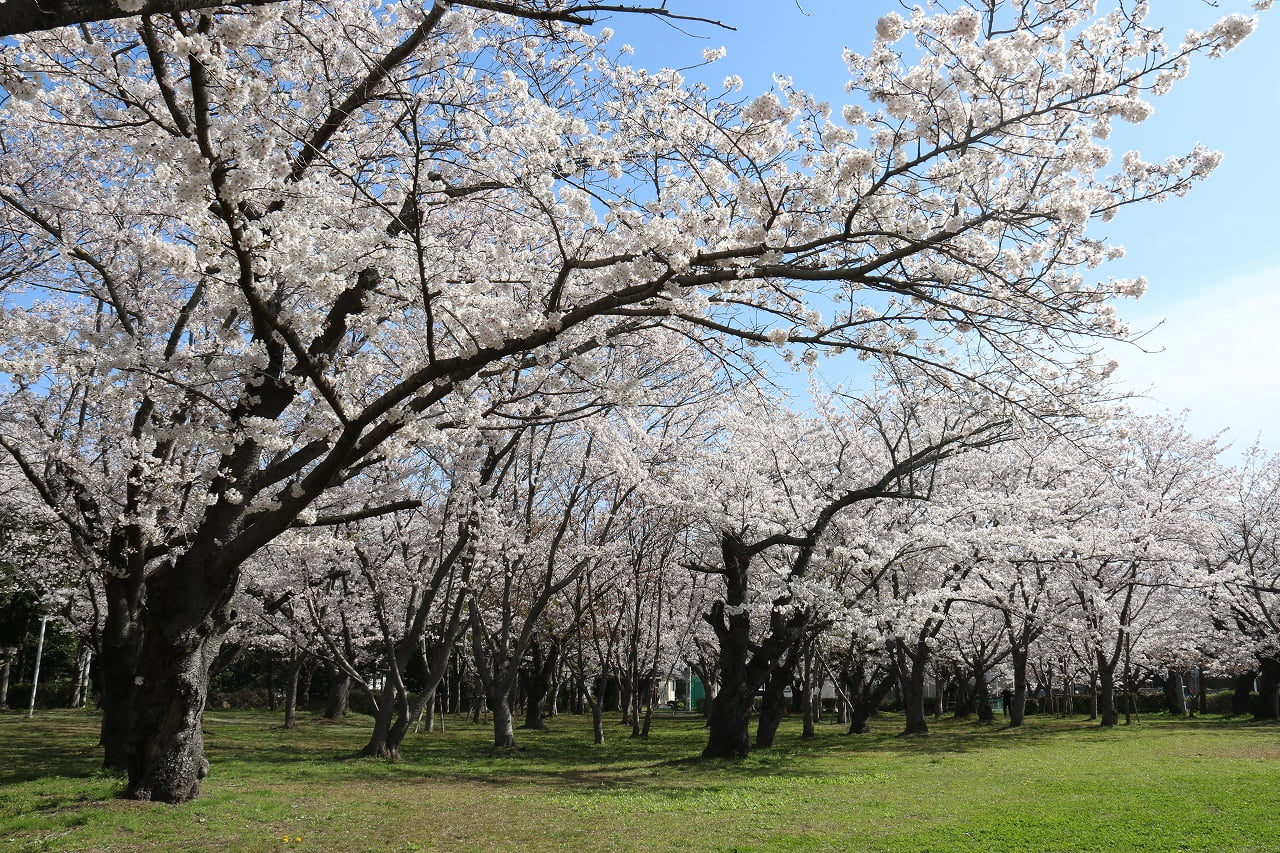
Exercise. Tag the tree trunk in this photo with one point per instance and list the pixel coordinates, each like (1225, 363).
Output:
(80, 681)
(291, 693)
(625, 690)
(808, 697)
(729, 721)
(271, 682)
(504, 736)
(539, 681)
(1268, 690)
(338, 699)
(964, 697)
(1175, 697)
(773, 707)
(4, 684)
(1018, 705)
(453, 690)
(304, 683)
(118, 668)
(426, 711)
(478, 702)
(1107, 715)
(1242, 694)
(381, 742)
(982, 693)
(182, 632)
(866, 699)
(650, 700)
(911, 675)
(593, 697)
(597, 721)
(638, 693)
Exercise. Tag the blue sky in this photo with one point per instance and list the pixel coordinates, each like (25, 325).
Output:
(1212, 259)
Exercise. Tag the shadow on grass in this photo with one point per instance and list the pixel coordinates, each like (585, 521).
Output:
(241, 745)
(53, 744)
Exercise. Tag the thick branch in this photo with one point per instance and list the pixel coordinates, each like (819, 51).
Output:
(29, 16)
(357, 515)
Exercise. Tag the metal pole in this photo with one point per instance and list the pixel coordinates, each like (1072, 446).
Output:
(35, 678)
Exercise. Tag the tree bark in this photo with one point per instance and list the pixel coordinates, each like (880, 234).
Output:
(867, 696)
(596, 700)
(911, 675)
(964, 697)
(80, 681)
(1268, 707)
(183, 627)
(538, 681)
(729, 721)
(271, 682)
(808, 696)
(773, 706)
(338, 700)
(1093, 694)
(1175, 698)
(380, 743)
(1242, 693)
(118, 665)
(650, 699)
(291, 692)
(25, 16)
(504, 736)
(597, 723)
(981, 693)
(625, 701)
(1107, 715)
(4, 684)
(1018, 706)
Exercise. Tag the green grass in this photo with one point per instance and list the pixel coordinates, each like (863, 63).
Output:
(1208, 784)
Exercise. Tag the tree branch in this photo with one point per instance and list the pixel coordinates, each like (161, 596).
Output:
(357, 515)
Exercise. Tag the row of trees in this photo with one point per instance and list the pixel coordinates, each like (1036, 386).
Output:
(749, 542)
(450, 314)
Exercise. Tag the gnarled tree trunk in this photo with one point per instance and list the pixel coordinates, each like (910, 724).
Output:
(183, 627)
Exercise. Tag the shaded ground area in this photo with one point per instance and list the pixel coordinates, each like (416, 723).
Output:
(1204, 784)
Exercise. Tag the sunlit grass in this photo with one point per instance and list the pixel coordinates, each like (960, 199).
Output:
(1206, 784)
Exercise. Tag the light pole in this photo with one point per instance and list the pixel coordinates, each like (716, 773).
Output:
(35, 678)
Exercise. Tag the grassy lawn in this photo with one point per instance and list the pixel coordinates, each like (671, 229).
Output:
(1206, 784)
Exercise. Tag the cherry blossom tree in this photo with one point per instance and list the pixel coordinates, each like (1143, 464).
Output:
(1243, 588)
(253, 252)
(1146, 527)
(778, 485)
